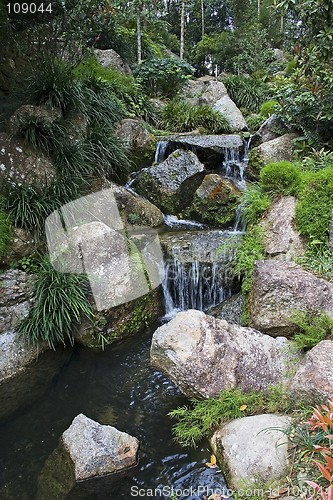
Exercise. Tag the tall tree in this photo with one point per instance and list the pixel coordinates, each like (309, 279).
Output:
(182, 30)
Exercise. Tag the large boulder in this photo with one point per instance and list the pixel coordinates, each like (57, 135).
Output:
(20, 165)
(134, 133)
(97, 450)
(281, 240)
(253, 450)
(171, 184)
(213, 92)
(280, 149)
(215, 201)
(313, 380)
(204, 356)
(280, 288)
(229, 110)
(271, 129)
(44, 115)
(110, 59)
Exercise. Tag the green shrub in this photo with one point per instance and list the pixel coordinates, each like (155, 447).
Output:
(200, 420)
(247, 93)
(317, 160)
(180, 116)
(280, 179)
(60, 301)
(268, 108)
(314, 327)
(5, 231)
(254, 122)
(39, 133)
(163, 77)
(254, 203)
(318, 260)
(314, 207)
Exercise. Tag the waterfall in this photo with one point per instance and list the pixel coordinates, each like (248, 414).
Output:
(234, 165)
(161, 148)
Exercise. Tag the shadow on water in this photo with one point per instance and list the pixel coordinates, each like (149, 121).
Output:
(116, 387)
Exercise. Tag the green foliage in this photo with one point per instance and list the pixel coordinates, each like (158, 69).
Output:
(280, 178)
(249, 93)
(254, 203)
(60, 301)
(317, 160)
(178, 116)
(254, 122)
(40, 133)
(5, 231)
(314, 207)
(199, 421)
(314, 327)
(268, 108)
(318, 260)
(163, 77)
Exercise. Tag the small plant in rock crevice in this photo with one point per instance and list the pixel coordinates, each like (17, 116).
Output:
(314, 326)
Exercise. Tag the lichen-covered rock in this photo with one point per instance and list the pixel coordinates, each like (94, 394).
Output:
(229, 110)
(279, 149)
(214, 91)
(21, 165)
(43, 114)
(281, 240)
(313, 380)
(231, 309)
(253, 450)
(171, 184)
(97, 450)
(278, 289)
(271, 129)
(204, 356)
(110, 59)
(133, 133)
(215, 201)
(23, 244)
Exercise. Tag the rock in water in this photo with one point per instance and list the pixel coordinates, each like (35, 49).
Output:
(254, 450)
(97, 449)
(204, 356)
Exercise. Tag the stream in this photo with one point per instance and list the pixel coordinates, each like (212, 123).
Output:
(118, 387)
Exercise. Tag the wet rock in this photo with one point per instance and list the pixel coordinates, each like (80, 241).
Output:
(229, 110)
(313, 380)
(253, 450)
(271, 129)
(110, 59)
(278, 289)
(171, 184)
(213, 92)
(281, 240)
(215, 201)
(20, 165)
(42, 114)
(230, 310)
(204, 356)
(279, 149)
(96, 449)
(133, 133)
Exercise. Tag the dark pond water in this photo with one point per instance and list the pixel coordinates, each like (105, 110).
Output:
(116, 387)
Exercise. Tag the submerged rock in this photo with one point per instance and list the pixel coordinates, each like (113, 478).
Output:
(253, 450)
(204, 356)
(96, 449)
(281, 240)
(313, 380)
(229, 110)
(215, 201)
(171, 184)
(280, 288)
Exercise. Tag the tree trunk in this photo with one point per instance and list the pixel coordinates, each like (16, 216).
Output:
(202, 19)
(138, 33)
(259, 10)
(182, 31)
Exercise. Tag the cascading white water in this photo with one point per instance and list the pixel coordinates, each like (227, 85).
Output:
(161, 148)
(234, 165)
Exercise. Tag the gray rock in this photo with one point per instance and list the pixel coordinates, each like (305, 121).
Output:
(271, 129)
(215, 201)
(279, 55)
(229, 110)
(281, 240)
(110, 59)
(15, 286)
(97, 450)
(279, 149)
(213, 92)
(230, 310)
(278, 289)
(253, 450)
(133, 133)
(22, 245)
(171, 184)
(204, 356)
(20, 165)
(77, 127)
(44, 114)
(313, 380)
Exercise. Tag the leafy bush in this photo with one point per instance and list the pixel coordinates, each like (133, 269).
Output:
(317, 160)
(318, 260)
(315, 204)
(5, 231)
(199, 421)
(180, 116)
(163, 77)
(39, 133)
(254, 122)
(248, 93)
(314, 327)
(268, 108)
(254, 203)
(60, 301)
(280, 178)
